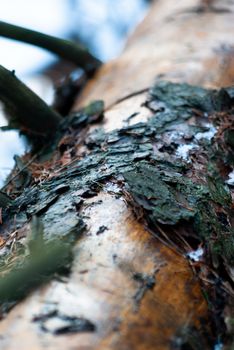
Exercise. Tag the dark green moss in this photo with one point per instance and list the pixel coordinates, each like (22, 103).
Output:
(146, 154)
(166, 198)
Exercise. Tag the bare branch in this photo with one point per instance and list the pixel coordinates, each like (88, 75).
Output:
(24, 108)
(63, 48)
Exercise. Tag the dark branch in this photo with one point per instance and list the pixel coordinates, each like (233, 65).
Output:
(24, 108)
(63, 48)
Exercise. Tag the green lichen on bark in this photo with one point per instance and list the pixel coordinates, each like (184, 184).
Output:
(171, 191)
(168, 169)
(167, 197)
(168, 187)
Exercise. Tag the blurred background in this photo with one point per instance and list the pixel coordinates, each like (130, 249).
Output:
(101, 25)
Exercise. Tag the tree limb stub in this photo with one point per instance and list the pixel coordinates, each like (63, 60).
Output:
(61, 47)
(24, 107)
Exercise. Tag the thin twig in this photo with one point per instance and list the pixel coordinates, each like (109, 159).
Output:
(169, 240)
(171, 246)
(121, 99)
(23, 168)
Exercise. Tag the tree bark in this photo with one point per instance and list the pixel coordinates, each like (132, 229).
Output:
(135, 291)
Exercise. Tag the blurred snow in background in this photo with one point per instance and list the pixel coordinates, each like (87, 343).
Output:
(105, 24)
(50, 17)
(102, 25)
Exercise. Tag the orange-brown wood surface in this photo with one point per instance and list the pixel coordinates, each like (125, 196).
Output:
(179, 43)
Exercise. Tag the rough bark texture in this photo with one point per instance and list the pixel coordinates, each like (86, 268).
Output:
(126, 289)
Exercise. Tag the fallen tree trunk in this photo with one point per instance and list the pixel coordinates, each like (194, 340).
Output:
(127, 289)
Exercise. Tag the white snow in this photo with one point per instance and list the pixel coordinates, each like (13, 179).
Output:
(183, 151)
(196, 255)
(230, 181)
(207, 134)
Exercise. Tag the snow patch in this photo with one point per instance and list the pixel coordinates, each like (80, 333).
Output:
(183, 151)
(112, 188)
(208, 135)
(230, 181)
(196, 255)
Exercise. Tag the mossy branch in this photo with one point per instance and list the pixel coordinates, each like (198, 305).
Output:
(24, 107)
(63, 48)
